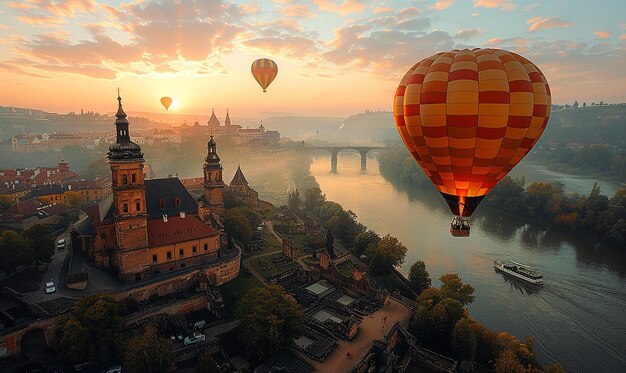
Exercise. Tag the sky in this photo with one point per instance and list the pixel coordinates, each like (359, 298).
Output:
(335, 58)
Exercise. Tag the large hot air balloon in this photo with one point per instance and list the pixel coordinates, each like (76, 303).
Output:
(166, 102)
(468, 117)
(264, 71)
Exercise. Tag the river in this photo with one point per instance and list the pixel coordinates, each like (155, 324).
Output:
(577, 318)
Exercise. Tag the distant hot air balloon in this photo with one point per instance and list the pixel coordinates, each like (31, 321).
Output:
(468, 117)
(166, 102)
(264, 71)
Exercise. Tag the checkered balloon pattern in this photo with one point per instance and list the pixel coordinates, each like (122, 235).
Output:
(468, 117)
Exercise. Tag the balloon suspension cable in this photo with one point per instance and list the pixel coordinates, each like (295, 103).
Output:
(264, 91)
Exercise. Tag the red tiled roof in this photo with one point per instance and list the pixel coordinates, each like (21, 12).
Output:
(177, 229)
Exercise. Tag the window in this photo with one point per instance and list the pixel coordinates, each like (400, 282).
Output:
(194, 250)
(155, 259)
(162, 203)
(138, 206)
(137, 276)
(182, 265)
(126, 207)
(206, 247)
(181, 253)
(103, 235)
(134, 178)
(169, 255)
(124, 179)
(177, 201)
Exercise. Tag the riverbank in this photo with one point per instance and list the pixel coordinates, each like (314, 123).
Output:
(538, 203)
(576, 317)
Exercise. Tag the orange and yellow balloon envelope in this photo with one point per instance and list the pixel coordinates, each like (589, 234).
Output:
(468, 117)
(166, 102)
(264, 72)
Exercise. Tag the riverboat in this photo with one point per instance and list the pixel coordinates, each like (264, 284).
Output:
(521, 271)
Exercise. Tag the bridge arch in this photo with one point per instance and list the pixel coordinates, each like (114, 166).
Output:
(335, 150)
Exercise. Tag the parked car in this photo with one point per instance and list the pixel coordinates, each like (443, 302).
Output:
(115, 369)
(199, 324)
(61, 244)
(196, 337)
(50, 288)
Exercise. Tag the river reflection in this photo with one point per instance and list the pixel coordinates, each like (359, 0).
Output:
(577, 317)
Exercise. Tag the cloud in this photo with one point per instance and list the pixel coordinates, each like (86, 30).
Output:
(4, 27)
(442, 4)
(68, 8)
(284, 45)
(504, 5)
(16, 69)
(622, 37)
(468, 34)
(382, 10)
(40, 20)
(14, 5)
(475, 14)
(603, 34)
(537, 23)
(250, 8)
(343, 8)
(298, 11)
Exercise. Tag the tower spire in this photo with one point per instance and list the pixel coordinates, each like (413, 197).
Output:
(123, 148)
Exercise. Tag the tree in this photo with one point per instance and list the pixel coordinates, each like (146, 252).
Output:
(422, 325)
(5, 203)
(453, 287)
(40, 242)
(147, 352)
(270, 320)
(418, 277)
(389, 252)
(346, 227)
(330, 242)
(97, 168)
(463, 340)
(93, 331)
(313, 201)
(364, 239)
(507, 362)
(14, 251)
(237, 226)
(294, 201)
(207, 365)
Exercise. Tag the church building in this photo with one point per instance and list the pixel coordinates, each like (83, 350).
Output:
(147, 228)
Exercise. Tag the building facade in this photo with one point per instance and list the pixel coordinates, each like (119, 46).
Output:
(148, 228)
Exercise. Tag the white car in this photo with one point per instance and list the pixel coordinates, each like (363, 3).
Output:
(195, 338)
(50, 288)
(115, 369)
(61, 244)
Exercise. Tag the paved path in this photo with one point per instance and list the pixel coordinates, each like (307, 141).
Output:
(54, 273)
(370, 329)
(246, 261)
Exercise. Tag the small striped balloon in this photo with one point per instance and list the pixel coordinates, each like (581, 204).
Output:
(468, 117)
(264, 71)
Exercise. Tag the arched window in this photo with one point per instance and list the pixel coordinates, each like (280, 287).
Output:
(138, 206)
(162, 203)
(206, 247)
(134, 178)
(126, 207)
(177, 201)
(124, 179)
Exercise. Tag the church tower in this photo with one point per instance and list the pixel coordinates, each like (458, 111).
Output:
(212, 201)
(129, 190)
(227, 122)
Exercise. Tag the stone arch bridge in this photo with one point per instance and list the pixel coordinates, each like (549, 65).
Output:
(334, 152)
